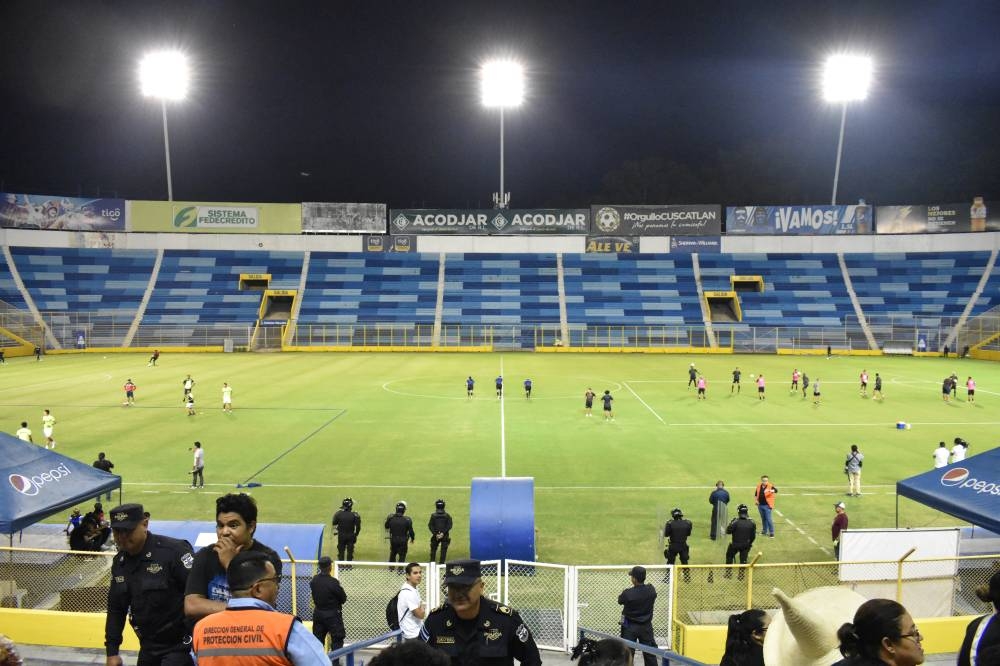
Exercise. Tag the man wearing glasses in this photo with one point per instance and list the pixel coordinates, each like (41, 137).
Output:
(250, 627)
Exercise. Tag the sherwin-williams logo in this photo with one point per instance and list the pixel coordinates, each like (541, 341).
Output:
(186, 217)
(954, 476)
(31, 485)
(959, 476)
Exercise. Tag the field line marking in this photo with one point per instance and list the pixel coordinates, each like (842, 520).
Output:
(803, 533)
(503, 438)
(297, 445)
(644, 403)
(717, 424)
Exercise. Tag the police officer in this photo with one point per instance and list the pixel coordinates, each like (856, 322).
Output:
(440, 527)
(400, 529)
(347, 522)
(475, 631)
(637, 612)
(677, 532)
(744, 531)
(329, 598)
(148, 576)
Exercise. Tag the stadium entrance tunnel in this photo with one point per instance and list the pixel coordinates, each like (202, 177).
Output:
(723, 306)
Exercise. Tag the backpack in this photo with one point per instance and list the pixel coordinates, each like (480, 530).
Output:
(392, 612)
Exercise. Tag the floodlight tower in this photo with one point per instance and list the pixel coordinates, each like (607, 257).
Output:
(502, 83)
(164, 75)
(846, 78)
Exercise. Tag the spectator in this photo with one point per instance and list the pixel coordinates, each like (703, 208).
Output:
(745, 638)
(74, 522)
(982, 637)
(882, 633)
(637, 612)
(8, 653)
(959, 451)
(852, 467)
(249, 619)
(329, 598)
(839, 525)
(763, 496)
(104, 465)
(410, 653)
(941, 454)
(409, 609)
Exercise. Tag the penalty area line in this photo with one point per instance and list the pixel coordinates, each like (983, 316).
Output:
(653, 411)
(296, 445)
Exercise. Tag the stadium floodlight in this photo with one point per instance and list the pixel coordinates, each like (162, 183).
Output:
(165, 76)
(502, 84)
(846, 78)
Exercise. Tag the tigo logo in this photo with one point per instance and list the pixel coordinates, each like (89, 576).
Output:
(954, 476)
(23, 484)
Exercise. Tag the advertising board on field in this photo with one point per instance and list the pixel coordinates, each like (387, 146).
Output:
(489, 222)
(343, 218)
(39, 211)
(799, 220)
(693, 220)
(977, 215)
(215, 218)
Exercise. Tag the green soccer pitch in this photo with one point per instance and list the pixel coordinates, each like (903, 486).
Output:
(313, 428)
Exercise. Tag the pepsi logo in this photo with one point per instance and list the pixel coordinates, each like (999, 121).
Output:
(22, 484)
(954, 476)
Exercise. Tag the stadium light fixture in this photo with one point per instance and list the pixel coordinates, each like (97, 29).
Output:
(165, 76)
(502, 85)
(846, 78)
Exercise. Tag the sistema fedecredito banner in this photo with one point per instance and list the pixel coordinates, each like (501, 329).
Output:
(799, 220)
(489, 222)
(687, 220)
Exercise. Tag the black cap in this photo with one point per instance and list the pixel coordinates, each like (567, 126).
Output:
(325, 562)
(639, 573)
(462, 572)
(126, 516)
(400, 507)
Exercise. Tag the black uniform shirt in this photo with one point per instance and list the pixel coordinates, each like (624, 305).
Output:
(678, 531)
(400, 528)
(440, 522)
(496, 637)
(348, 524)
(637, 603)
(150, 588)
(327, 593)
(744, 532)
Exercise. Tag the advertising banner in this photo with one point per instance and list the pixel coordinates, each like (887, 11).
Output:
(799, 220)
(695, 244)
(489, 222)
(613, 244)
(977, 215)
(34, 211)
(386, 243)
(215, 218)
(656, 220)
(343, 218)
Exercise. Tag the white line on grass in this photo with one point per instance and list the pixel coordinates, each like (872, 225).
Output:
(503, 439)
(644, 403)
(716, 424)
(325, 486)
(803, 533)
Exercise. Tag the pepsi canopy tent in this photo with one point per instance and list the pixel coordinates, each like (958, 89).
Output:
(36, 483)
(969, 489)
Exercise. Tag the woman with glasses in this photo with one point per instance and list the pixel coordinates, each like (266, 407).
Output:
(981, 646)
(745, 638)
(882, 633)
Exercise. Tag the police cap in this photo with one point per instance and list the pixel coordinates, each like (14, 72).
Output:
(462, 572)
(126, 516)
(400, 507)
(348, 503)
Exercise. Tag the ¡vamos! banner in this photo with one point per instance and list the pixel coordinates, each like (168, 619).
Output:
(656, 220)
(799, 220)
(479, 222)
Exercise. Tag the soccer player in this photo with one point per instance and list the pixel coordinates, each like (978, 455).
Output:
(970, 390)
(189, 403)
(608, 414)
(470, 384)
(760, 387)
(188, 384)
(129, 389)
(692, 375)
(736, 381)
(499, 384)
(588, 401)
(227, 398)
(527, 388)
(48, 426)
(795, 379)
(816, 394)
(864, 383)
(701, 387)
(24, 433)
(154, 358)
(877, 391)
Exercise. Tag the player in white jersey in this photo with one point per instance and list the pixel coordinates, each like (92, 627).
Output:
(48, 427)
(227, 398)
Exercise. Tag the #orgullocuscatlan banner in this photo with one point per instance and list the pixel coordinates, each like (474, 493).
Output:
(687, 220)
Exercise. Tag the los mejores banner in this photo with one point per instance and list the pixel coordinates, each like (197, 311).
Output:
(978, 215)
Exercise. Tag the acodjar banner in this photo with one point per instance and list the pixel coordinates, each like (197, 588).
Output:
(799, 220)
(694, 220)
(491, 222)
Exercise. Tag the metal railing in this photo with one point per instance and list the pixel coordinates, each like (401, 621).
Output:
(666, 657)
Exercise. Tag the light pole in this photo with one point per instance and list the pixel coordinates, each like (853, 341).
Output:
(846, 78)
(502, 83)
(164, 75)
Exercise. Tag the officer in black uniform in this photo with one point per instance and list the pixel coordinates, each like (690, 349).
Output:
(400, 529)
(347, 522)
(637, 612)
(440, 527)
(475, 631)
(744, 532)
(677, 532)
(148, 576)
(329, 598)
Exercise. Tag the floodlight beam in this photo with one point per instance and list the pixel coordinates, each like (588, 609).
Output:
(164, 75)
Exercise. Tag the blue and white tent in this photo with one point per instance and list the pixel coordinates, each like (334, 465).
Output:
(969, 490)
(36, 482)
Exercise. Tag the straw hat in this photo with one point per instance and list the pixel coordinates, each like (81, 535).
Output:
(804, 631)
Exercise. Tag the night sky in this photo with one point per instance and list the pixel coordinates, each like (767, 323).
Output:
(628, 102)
